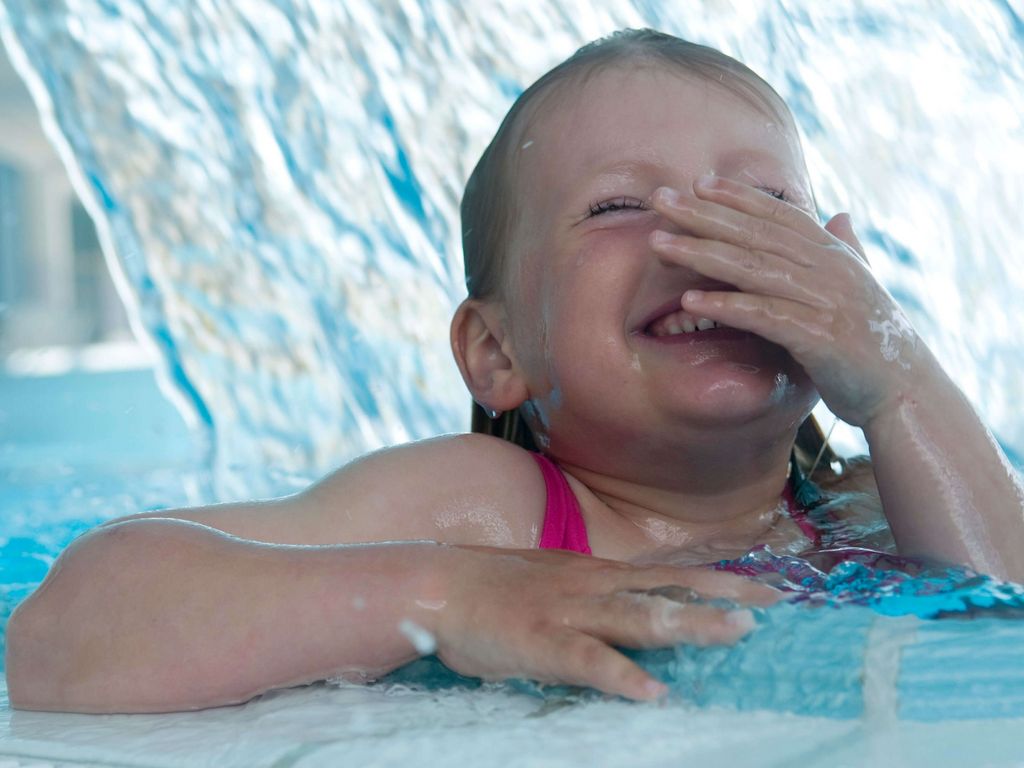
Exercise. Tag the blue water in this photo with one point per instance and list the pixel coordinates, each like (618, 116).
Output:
(277, 194)
(854, 641)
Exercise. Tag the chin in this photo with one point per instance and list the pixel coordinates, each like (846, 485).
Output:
(732, 400)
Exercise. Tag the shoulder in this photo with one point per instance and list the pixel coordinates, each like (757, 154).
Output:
(460, 464)
(456, 489)
(467, 449)
(461, 489)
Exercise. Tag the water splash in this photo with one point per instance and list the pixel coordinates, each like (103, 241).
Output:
(896, 333)
(902, 647)
(276, 183)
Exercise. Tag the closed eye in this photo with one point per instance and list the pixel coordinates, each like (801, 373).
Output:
(631, 203)
(616, 204)
(779, 194)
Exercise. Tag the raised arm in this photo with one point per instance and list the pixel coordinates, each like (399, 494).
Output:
(947, 488)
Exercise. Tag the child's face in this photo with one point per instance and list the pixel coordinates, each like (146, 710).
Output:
(583, 286)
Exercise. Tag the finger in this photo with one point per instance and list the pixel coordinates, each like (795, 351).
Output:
(708, 583)
(635, 620)
(578, 659)
(749, 270)
(711, 221)
(757, 203)
(841, 226)
(673, 593)
(797, 327)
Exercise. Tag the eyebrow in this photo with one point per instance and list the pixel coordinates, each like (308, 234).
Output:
(629, 165)
(739, 156)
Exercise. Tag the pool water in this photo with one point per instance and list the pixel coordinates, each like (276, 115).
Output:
(853, 672)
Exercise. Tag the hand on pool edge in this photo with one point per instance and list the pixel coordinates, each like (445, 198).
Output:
(553, 617)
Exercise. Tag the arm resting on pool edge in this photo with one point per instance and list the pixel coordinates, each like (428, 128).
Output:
(158, 615)
(162, 615)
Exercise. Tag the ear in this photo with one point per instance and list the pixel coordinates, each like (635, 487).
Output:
(484, 356)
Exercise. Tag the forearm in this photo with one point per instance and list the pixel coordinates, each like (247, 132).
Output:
(947, 489)
(161, 615)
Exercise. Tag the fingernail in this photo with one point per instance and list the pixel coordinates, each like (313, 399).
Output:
(660, 237)
(654, 688)
(707, 181)
(742, 620)
(667, 195)
(693, 297)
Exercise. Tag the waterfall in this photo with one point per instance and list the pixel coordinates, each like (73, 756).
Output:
(276, 185)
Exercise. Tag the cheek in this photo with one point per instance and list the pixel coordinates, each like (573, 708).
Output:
(587, 301)
(570, 317)
(586, 346)
(530, 320)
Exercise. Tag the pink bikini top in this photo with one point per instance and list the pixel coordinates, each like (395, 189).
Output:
(563, 522)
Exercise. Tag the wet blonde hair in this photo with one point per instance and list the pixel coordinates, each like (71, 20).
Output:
(490, 202)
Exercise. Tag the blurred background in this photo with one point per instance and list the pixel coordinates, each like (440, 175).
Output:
(77, 388)
(55, 290)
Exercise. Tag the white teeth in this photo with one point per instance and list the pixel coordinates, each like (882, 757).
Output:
(680, 322)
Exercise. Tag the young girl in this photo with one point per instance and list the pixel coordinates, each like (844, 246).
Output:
(655, 307)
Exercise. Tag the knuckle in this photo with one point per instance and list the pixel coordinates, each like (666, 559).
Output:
(764, 308)
(707, 626)
(751, 261)
(789, 215)
(748, 234)
(829, 321)
(713, 632)
(588, 654)
(834, 325)
(776, 208)
(663, 625)
(756, 231)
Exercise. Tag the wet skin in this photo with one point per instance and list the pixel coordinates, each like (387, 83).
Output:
(702, 428)
(691, 439)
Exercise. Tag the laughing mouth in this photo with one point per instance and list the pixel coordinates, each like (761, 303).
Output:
(679, 323)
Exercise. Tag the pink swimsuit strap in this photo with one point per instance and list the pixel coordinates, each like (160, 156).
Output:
(798, 515)
(563, 521)
(564, 527)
